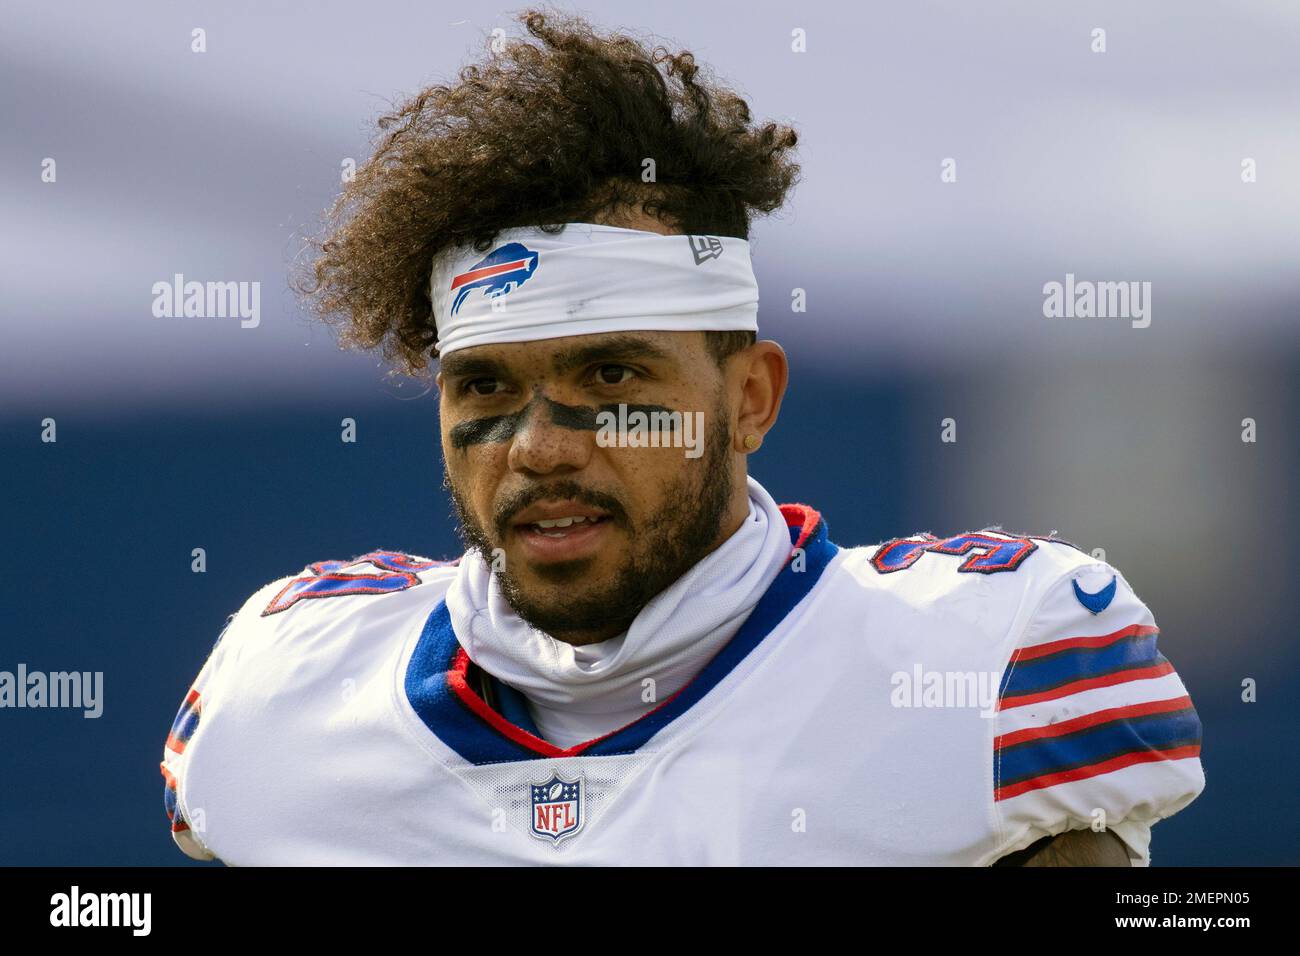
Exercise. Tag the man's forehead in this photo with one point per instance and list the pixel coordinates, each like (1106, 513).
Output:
(568, 352)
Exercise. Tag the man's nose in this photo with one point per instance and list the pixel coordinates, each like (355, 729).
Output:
(543, 446)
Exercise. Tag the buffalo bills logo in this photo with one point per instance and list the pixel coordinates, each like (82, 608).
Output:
(557, 807)
(500, 272)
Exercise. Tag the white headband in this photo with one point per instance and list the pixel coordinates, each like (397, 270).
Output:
(591, 278)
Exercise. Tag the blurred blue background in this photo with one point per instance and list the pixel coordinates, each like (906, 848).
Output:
(924, 302)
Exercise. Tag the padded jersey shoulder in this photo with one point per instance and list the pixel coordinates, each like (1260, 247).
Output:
(954, 569)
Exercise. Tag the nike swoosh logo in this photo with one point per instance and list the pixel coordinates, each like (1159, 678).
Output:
(1096, 603)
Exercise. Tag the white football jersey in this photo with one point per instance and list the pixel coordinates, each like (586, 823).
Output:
(928, 701)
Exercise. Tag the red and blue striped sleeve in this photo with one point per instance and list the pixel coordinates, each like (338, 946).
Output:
(186, 825)
(1094, 726)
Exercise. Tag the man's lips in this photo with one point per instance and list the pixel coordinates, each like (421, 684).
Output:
(565, 513)
(560, 530)
(562, 544)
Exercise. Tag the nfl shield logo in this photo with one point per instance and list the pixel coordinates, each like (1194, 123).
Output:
(557, 808)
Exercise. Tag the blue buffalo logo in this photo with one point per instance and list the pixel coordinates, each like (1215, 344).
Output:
(500, 272)
(557, 807)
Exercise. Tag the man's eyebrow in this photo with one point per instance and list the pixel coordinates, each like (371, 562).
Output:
(620, 347)
(458, 366)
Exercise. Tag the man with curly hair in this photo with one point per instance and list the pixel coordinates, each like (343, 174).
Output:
(641, 657)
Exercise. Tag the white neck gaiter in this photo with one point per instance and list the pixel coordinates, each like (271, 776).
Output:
(578, 693)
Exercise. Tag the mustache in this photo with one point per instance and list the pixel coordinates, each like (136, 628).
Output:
(566, 489)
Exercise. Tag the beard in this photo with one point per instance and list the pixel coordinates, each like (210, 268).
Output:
(663, 547)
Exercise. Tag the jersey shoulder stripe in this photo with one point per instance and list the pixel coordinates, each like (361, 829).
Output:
(1093, 723)
(1097, 743)
(1065, 667)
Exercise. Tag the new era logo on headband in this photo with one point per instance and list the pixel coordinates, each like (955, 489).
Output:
(500, 272)
(705, 248)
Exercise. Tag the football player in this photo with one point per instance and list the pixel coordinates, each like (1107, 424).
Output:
(641, 657)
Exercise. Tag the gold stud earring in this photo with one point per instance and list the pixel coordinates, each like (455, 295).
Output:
(752, 442)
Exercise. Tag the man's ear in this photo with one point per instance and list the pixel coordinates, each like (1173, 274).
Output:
(759, 374)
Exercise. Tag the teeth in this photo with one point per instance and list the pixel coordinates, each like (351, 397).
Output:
(560, 522)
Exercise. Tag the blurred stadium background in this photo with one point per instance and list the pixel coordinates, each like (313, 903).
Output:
(924, 302)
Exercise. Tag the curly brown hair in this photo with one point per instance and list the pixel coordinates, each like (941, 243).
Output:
(547, 130)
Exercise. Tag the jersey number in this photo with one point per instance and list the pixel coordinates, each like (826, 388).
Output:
(394, 571)
(985, 553)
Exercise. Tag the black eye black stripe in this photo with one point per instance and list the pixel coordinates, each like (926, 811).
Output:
(500, 428)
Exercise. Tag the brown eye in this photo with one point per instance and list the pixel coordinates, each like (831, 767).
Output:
(481, 386)
(612, 374)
